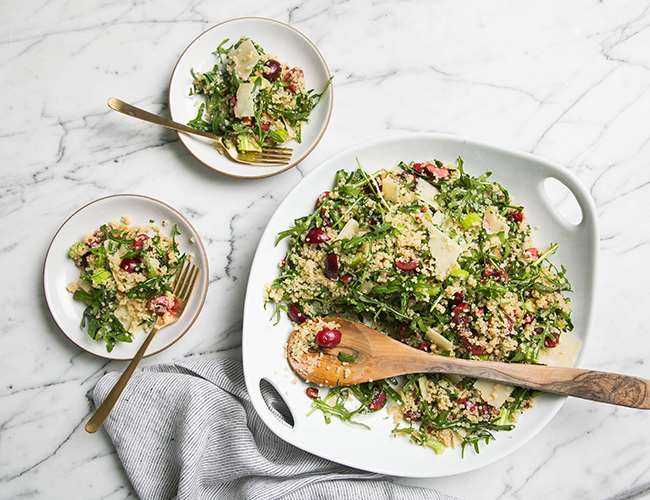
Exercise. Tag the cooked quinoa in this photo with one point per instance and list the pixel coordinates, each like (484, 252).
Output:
(442, 261)
(126, 272)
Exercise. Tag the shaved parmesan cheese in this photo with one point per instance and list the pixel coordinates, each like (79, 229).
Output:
(493, 222)
(454, 378)
(436, 338)
(245, 57)
(564, 353)
(493, 393)
(424, 390)
(456, 439)
(350, 230)
(431, 221)
(438, 218)
(426, 192)
(390, 189)
(245, 105)
(444, 250)
(265, 84)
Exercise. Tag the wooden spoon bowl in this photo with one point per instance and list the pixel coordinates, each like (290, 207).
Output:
(374, 353)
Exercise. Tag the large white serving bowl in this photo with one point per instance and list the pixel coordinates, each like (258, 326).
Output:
(375, 450)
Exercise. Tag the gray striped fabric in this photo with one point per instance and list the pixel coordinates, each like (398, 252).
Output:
(189, 431)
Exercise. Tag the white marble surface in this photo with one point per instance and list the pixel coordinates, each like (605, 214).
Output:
(566, 80)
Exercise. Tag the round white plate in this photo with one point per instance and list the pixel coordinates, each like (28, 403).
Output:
(291, 47)
(59, 270)
(375, 450)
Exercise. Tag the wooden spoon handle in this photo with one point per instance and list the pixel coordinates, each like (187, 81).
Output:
(610, 388)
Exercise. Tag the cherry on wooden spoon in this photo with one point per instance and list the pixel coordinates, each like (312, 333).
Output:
(375, 356)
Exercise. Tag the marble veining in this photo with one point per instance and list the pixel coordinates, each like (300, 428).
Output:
(569, 81)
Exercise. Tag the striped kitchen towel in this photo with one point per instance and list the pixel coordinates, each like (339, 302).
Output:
(188, 430)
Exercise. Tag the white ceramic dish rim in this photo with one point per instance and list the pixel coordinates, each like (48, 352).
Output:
(201, 253)
(285, 432)
(184, 138)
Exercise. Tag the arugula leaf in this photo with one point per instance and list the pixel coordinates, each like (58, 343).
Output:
(344, 357)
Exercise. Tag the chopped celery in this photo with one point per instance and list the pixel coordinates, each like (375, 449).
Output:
(470, 220)
(457, 272)
(279, 135)
(78, 250)
(246, 142)
(100, 276)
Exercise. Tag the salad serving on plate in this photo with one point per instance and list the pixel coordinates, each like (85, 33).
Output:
(251, 98)
(443, 261)
(125, 279)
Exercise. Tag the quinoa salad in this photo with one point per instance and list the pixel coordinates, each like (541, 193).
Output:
(440, 260)
(125, 282)
(251, 98)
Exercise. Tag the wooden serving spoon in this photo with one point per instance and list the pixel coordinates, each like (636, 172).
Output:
(378, 356)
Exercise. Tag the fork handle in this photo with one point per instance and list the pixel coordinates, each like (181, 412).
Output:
(141, 114)
(105, 408)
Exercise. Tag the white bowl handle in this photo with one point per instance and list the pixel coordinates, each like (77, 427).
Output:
(582, 196)
(270, 400)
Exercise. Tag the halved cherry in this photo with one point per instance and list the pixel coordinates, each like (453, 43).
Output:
(272, 69)
(459, 315)
(436, 171)
(533, 252)
(316, 236)
(322, 197)
(552, 341)
(474, 349)
(409, 265)
(411, 416)
(139, 240)
(468, 405)
(460, 308)
(332, 266)
(517, 215)
(378, 401)
(130, 265)
(424, 346)
(328, 337)
(295, 314)
(163, 304)
(488, 271)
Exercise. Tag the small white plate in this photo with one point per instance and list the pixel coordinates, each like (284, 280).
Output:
(375, 450)
(59, 270)
(291, 47)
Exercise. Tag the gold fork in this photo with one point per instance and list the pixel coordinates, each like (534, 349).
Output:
(183, 285)
(270, 155)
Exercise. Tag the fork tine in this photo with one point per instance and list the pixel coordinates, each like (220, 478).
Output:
(180, 277)
(271, 154)
(264, 161)
(189, 283)
(277, 149)
(276, 158)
